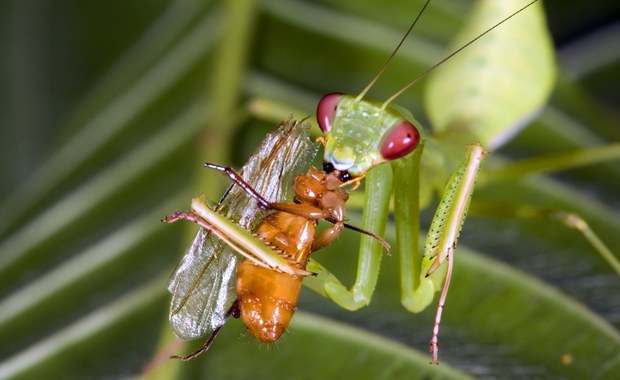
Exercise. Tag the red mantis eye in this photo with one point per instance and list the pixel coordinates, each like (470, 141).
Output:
(326, 110)
(400, 140)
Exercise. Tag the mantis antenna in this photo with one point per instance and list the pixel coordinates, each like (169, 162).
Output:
(436, 65)
(433, 67)
(387, 62)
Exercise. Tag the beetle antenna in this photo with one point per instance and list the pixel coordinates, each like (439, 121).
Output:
(430, 69)
(387, 63)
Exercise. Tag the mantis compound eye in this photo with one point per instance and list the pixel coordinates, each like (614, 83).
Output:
(326, 110)
(400, 140)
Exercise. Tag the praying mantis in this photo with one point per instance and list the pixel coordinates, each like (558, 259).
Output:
(418, 286)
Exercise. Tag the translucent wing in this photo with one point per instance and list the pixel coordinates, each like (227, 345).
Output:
(202, 286)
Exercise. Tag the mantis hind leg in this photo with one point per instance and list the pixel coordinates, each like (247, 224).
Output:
(546, 164)
(567, 219)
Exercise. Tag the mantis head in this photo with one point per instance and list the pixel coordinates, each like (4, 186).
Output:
(360, 134)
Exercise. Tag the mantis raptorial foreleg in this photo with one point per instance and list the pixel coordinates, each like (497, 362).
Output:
(374, 219)
(420, 278)
(325, 237)
(236, 237)
(446, 227)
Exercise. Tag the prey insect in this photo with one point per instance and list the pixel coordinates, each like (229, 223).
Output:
(202, 286)
(276, 254)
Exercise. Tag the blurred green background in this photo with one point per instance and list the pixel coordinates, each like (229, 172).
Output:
(109, 108)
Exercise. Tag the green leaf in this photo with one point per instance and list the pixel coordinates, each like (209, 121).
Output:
(361, 355)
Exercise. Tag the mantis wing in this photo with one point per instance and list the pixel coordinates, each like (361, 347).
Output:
(493, 88)
(202, 285)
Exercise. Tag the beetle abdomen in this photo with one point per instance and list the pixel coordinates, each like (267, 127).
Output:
(267, 300)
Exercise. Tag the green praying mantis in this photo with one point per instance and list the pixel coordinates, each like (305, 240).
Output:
(359, 152)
